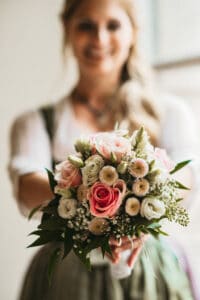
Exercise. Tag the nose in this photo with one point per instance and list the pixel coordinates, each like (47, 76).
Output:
(101, 36)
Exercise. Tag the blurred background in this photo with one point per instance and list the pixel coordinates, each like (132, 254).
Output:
(32, 73)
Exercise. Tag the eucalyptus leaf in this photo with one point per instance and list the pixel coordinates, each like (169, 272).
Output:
(180, 166)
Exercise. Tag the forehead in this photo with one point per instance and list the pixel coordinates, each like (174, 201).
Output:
(100, 9)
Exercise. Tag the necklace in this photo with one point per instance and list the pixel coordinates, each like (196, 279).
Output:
(101, 115)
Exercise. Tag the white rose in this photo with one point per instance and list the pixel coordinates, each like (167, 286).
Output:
(67, 208)
(98, 226)
(132, 206)
(152, 208)
(108, 175)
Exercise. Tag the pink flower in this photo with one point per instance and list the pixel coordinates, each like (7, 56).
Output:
(104, 200)
(162, 156)
(109, 143)
(67, 175)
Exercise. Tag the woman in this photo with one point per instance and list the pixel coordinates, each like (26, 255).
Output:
(111, 87)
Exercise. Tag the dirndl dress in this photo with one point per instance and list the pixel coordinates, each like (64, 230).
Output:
(157, 275)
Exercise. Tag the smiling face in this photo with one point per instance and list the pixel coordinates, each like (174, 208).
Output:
(101, 35)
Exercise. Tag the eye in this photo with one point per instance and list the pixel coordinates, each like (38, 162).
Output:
(113, 25)
(85, 26)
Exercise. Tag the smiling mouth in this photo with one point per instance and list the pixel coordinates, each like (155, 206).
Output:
(96, 54)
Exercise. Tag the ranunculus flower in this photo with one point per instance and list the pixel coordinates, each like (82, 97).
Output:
(108, 175)
(164, 159)
(138, 168)
(152, 208)
(140, 187)
(90, 171)
(67, 208)
(67, 175)
(132, 206)
(104, 200)
(108, 144)
(98, 226)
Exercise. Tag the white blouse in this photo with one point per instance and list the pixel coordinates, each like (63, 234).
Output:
(32, 151)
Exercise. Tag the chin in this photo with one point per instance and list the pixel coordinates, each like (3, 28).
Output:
(99, 69)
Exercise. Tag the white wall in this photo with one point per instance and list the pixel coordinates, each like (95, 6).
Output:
(29, 71)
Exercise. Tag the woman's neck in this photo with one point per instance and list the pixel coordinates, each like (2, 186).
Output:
(97, 90)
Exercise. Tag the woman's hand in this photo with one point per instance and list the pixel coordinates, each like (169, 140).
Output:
(134, 243)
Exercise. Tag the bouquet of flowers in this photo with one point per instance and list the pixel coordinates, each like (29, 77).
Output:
(115, 186)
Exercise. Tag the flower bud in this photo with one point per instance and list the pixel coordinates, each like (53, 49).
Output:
(76, 161)
(122, 167)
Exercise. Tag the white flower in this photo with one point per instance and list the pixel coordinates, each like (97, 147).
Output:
(98, 226)
(82, 193)
(138, 168)
(152, 208)
(67, 208)
(140, 187)
(132, 206)
(108, 175)
(91, 170)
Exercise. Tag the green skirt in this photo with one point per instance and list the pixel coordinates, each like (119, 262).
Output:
(157, 275)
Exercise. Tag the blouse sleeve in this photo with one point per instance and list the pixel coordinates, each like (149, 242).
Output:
(180, 137)
(30, 150)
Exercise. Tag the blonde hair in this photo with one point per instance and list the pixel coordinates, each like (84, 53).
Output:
(134, 103)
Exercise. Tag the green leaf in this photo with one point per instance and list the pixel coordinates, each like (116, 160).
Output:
(180, 166)
(46, 237)
(68, 242)
(83, 257)
(53, 261)
(154, 226)
(34, 210)
(52, 223)
(180, 186)
(52, 181)
(105, 247)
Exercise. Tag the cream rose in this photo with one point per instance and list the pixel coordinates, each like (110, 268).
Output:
(152, 208)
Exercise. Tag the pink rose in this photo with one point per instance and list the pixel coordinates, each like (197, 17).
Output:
(162, 156)
(67, 175)
(104, 200)
(110, 143)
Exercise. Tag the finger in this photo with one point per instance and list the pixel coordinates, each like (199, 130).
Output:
(114, 258)
(114, 242)
(129, 245)
(133, 257)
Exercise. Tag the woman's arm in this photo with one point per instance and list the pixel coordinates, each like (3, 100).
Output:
(34, 189)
